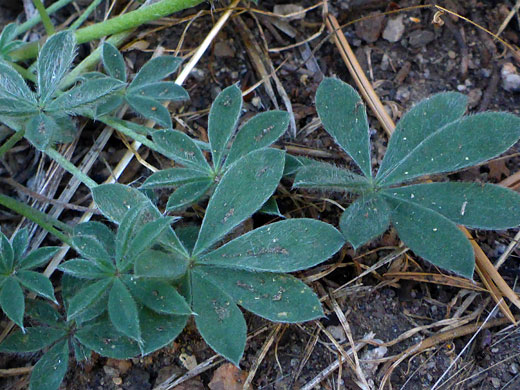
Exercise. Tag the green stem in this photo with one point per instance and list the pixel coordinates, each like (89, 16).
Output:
(115, 25)
(71, 168)
(13, 139)
(46, 20)
(46, 222)
(26, 74)
(37, 18)
(129, 132)
(85, 15)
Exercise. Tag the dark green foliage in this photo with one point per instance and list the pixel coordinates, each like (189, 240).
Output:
(433, 137)
(8, 42)
(199, 177)
(16, 271)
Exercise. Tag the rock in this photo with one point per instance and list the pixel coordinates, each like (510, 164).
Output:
(337, 332)
(110, 371)
(287, 9)
(137, 379)
(510, 77)
(191, 384)
(370, 29)
(121, 365)
(474, 96)
(495, 382)
(513, 369)
(394, 29)
(224, 49)
(420, 38)
(228, 377)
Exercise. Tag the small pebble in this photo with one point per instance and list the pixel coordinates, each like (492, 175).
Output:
(394, 29)
(117, 381)
(495, 382)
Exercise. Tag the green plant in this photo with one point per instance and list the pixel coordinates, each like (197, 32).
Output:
(16, 271)
(433, 137)
(8, 42)
(248, 271)
(199, 177)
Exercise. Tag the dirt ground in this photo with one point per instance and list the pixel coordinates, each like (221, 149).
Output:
(407, 58)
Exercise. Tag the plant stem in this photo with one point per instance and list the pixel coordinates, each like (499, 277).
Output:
(115, 25)
(13, 139)
(37, 18)
(46, 222)
(85, 15)
(71, 168)
(26, 74)
(129, 132)
(46, 20)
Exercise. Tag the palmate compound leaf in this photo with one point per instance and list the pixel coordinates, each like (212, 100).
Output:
(100, 231)
(157, 332)
(222, 121)
(86, 297)
(419, 122)
(150, 108)
(276, 297)
(366, 218)
(12, 301)
(432, 236)
(13, 86)
(54, 61)
(50, 370)
(219, 321)
(259, 132)
(243, 189)
(37, 258)
(284, 246)
(155, 70)
(476, 205)
(459, 144)
(181, 149)
(37, 283)
(343, 115)
(188, 194)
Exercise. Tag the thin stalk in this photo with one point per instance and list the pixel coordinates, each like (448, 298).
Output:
(71, 168)
(24, 27)
(46, 222)
(26, 73)
(115, 25)
(85, 15)
(129, 132)
(46, 20)
(13, 139)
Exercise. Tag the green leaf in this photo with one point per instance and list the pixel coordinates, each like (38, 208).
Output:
(37, 283)
(40, 130)
(43, 313)
(423, 119)
(82, 98)
(157, 264)
(243, 189)
(181, 149)
(130, 223)
(278, 298)
(479, 206)
(150, 109)
(259, 132)
(34, 339)
(188, 235)
(101, 232)
(66, 130)
(81, 353)
(108, 105)
(222, 121)
(122, 311)
(344, 116)
(271, 208)
(432, 236)
(54, 61)
(162, 91)
(6, 253)
(148, 235)
(86, 297)
(174, 177)
(188, 194)
(159, 330)
(12, 301)
(366, 218)
(284, 246)
(156, 69)
(20, 242)
(460, 144)
(326, 176)
(91, 248)
(114, 200)
(13, 86)
(15, 107)
(159, 296)
(71, 286)
(50, 370)
(219, 321)
(113, 61)
(82, 269)
(38, 257)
